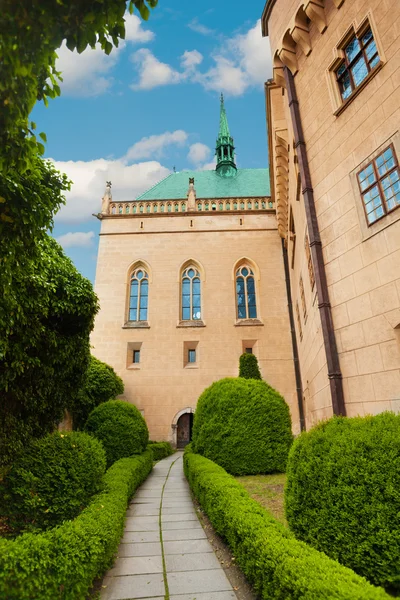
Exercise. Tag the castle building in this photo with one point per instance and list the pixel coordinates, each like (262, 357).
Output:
(189, 276)
(299, 264)
(333, 111)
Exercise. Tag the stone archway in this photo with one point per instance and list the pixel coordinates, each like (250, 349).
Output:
(182, 427)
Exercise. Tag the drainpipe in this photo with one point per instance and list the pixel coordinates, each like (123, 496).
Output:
(299, 385)
(332, 357)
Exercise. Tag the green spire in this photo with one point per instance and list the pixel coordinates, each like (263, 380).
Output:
(225, 150)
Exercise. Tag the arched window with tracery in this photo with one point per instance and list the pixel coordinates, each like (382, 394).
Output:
(191, 294)
(138, 295)
(246, 293)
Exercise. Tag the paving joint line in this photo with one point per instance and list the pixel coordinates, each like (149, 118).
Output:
(166, 595)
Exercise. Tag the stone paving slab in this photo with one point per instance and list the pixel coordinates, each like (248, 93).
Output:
(146, 511)
(174, 535)
(140, 549)
(192, 562)
(187, 546)
(130, 587)
(206, 596)
(186, 509)
(140, 537)
(168, 518)
(137, 565)
(133, 524)
(167, 525)
(193, 582)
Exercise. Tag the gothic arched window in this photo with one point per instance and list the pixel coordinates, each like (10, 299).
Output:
(191, 294)
(246, 293)
(139, 295)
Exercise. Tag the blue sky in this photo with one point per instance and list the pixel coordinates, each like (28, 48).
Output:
(152, 105)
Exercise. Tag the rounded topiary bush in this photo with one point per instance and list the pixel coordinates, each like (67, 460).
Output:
(120, 427)
(101, 384)
(244, 426)
(248, 366)
(53, 480)
(343, 493)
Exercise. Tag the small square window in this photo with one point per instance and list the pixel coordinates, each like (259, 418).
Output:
(248, 350)
(191, 355)
(136, 356)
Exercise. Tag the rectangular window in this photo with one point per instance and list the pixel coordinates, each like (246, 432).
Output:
(191, 356)
(360, 57)
(303, 298)
(248, 350)
(136, 356)
(379, 184)
(309, 261)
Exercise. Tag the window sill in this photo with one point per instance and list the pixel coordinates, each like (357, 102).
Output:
(198, 323)
(133, 367)
(191, 366)
(362, 85)
(249, 322)
(136, 325)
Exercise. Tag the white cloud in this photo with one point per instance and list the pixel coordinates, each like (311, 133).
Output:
(194, 25)
(76, 239)
(88, 73)
(128, 182)
(198, 153)
(191, 59)
(134, 31)
(152, 72)
(154, 145)
(241, 62)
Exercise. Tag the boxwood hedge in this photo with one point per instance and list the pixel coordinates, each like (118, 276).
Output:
(120, 427)
(160, 449)
(278, 565)
(243, 425)
(53, 481)
(61, 563)
(343, 494)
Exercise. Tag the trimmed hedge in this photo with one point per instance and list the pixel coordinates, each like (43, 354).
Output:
(343, 494)
(120, 427)
(62, 563)
(53, 480)
(248, 366)
(272, 559)
(160, 450)
(101, 384)
(243, 425)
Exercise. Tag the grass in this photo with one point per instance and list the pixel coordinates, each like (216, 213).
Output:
(267, 490)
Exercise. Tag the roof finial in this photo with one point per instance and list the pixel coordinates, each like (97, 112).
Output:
(225, 150)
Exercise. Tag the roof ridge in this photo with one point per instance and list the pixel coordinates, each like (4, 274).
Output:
(155, 185)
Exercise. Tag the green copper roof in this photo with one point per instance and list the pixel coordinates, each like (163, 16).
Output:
(225, 150)
(208, 184)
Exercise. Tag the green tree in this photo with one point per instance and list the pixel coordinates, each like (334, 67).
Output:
(248, 366)
(45, 320)
(101, 384)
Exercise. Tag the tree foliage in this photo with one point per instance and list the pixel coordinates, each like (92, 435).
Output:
(120, 427)
(46, 316)
(101, 384)
(342, 494)
(248, 366)
(53, 480)
(244, 426)
(31, 31)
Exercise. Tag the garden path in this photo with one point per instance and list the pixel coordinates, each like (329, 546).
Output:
(164, 552)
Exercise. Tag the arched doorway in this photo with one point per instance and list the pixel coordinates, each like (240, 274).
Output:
(184, 430)
(182, 426)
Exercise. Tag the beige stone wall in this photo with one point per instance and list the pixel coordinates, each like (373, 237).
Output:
(162, 385)
(362, 263)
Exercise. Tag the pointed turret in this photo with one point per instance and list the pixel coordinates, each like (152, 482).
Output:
(225, 150)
